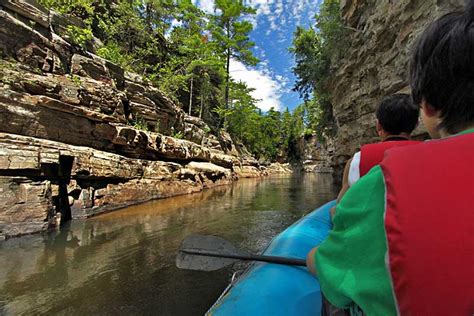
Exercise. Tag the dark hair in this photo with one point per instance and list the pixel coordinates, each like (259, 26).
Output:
(442, 68)
(397, 114)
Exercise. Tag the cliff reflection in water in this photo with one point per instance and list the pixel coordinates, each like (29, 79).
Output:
(123, 262)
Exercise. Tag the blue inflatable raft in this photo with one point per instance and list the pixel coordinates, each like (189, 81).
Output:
(275, 289)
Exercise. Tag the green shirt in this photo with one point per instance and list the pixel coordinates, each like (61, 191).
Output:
(351, 262)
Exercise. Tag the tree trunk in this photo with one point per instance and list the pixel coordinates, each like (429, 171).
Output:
(204, 91)
(202, 105)
(227, 79)
(191, 95)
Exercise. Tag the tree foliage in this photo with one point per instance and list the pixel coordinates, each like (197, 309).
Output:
(316, 50)
(231, 34)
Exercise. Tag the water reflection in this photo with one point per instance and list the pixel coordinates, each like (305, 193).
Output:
(123, 262)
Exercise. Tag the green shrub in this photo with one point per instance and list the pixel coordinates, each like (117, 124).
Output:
(140, 124)
(113, 52)
(78, 35)
(178, 135)
(76, 80)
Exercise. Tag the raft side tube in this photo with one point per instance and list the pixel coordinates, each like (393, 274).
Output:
(275, 289)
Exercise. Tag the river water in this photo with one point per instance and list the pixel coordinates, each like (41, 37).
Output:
(123, 263)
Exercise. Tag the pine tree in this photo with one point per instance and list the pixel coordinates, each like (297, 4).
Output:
(231, 33)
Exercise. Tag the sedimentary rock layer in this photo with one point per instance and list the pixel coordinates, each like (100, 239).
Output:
(41, 179)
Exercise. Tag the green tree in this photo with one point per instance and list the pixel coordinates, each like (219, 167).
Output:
(231, 34)
(315, 50)
(241, 112)
(136, 28)
(194, 72)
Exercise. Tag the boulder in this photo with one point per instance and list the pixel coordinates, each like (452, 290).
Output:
(88, 67)
(249, 172)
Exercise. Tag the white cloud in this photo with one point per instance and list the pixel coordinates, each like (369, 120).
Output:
(252, 19)
(279, 7)
(262, 6)
(205, 5)
(176, 23)
(273, 26)
(267, 89)
(273, 11)
(279, 17)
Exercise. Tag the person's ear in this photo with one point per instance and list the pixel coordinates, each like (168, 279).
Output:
(428, 109)
(431, 119)
(378, 127)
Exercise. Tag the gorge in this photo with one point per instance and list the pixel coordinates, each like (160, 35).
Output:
(122, 132)
(80, 136)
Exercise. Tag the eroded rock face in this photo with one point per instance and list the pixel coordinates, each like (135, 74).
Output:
(85, 112)
(375, 65)
(85, 182)
(25, 206)
(29, 10)
(316, 156)
(279, 168)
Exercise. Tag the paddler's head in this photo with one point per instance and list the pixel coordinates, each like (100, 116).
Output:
(442, 73)
(396, 116)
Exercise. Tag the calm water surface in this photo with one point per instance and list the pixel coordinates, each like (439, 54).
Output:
(122, 263)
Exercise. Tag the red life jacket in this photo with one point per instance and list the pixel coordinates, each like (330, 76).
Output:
(373, 154)
(429, 223)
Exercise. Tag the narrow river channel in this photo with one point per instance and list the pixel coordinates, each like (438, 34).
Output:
(123, 263)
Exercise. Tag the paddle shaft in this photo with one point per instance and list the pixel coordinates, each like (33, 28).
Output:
(251, 257)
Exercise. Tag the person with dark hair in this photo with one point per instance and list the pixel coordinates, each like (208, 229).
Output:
(397, 117)
(403, 235)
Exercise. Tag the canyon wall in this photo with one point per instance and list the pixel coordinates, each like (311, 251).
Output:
(381, 34)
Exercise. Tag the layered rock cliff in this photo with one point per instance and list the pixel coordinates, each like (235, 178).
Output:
(80, 136)
(375, 65)
(316, 156)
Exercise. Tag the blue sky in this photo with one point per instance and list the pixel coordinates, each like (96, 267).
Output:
(274, 25)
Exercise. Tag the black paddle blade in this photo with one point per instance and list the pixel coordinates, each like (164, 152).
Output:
(205, 253)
